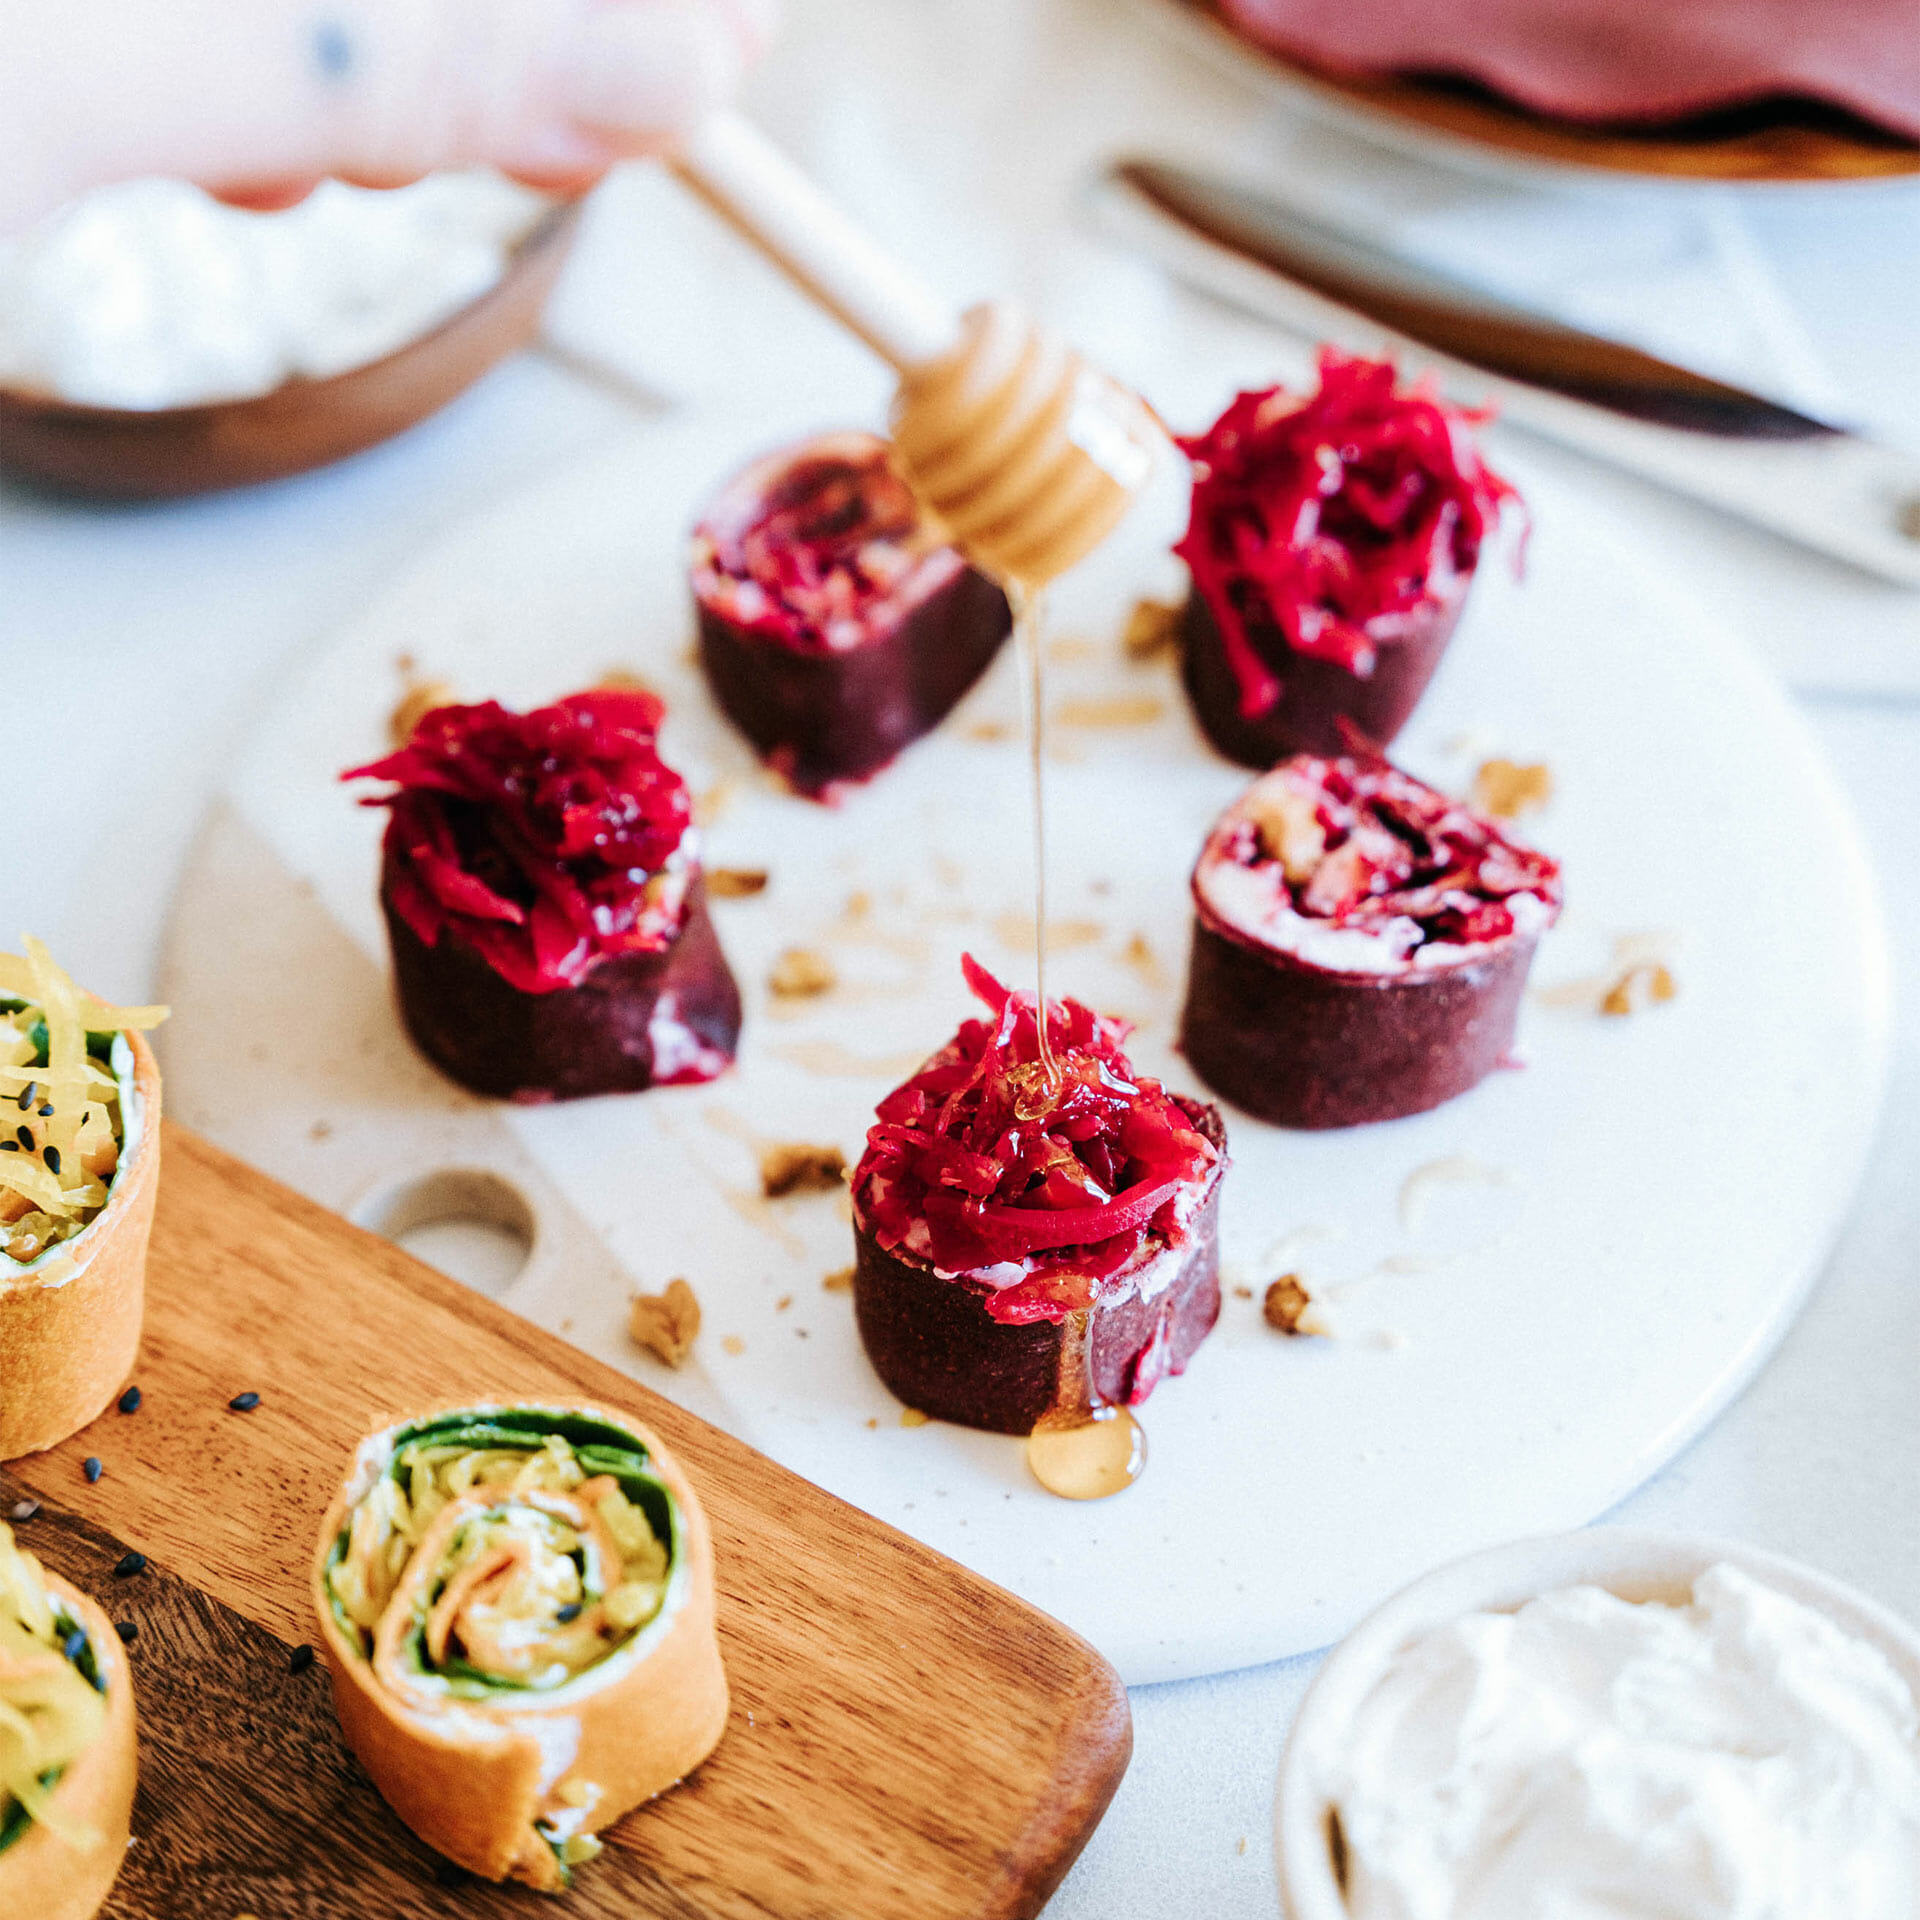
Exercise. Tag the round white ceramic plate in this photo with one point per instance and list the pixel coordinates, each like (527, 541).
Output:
(1536, 1295)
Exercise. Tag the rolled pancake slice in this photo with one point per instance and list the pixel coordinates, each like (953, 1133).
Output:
(541, 881)
(1030, 1248)
(67, 1737)
(1332, 543)
(1361, 945)
(837, 624)
(516, 1604)
(79, 1168)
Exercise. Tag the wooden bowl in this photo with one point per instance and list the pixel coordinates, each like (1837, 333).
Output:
(119, 453)
(1767, 142)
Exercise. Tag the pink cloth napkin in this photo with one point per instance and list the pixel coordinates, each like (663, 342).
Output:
(1620, 59)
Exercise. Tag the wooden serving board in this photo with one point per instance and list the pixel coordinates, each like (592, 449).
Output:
(906, 1739)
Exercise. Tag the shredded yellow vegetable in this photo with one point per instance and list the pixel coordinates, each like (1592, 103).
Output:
(61, 1127)
(510, 1574)
(50, 1713)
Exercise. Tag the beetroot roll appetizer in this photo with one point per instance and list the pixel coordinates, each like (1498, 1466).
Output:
(1031, 1245)
(1360, 945)
(541, 880)
(1332, 542)
(836, 623)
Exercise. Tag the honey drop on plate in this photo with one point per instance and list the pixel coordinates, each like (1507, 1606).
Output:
(1090, 1458)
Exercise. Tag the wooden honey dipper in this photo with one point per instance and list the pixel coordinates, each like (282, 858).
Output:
(1029, 455)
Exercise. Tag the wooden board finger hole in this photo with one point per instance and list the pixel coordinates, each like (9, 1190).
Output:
(469, 1222)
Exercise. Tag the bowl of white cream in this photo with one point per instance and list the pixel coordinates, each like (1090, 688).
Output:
(1606, 1724)
(155, 341)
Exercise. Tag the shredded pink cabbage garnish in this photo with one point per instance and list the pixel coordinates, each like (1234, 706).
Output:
(819, 560)
(1396, 849)
(1320, 524)
(979, 1159)
(547, 841)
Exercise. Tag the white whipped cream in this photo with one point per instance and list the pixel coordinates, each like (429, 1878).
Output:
(1586, 1758)
(150, 294)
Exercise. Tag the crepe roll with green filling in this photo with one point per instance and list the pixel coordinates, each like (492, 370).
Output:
(516, 1603)
(79, 1166)
(67, 1760)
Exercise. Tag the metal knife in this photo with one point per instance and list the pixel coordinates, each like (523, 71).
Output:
(1797, 476)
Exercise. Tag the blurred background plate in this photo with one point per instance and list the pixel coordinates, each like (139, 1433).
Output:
(1767, 142)
(1604, 1246)
(168, 452)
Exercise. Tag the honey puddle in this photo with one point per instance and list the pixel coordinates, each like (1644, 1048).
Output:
(1088, 1456)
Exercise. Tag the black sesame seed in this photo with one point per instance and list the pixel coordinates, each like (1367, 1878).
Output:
(46, 1113)
(25, 1136)
(74, 1645)
(571, 1611)
(26, 1095)
(92, 1468)
(127, 1631)
(129, 1402)
(23, 1510)
(9, 1146)
(128, 1565)
(51, 1155)
(244, 1402)
(300, 1659)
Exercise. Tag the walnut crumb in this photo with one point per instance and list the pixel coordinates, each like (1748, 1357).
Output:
(912, 1417)
(1243, 1293)
(1288, 823)
(801, 1169)
(666, 1324)
(711, 802)
(783, 1303)
(987, 730)
(800, 973)
(419, 700)
(840, 1280)
(1138, 953)
(1639, 986)
(873, 1420)
(1507, 789)
(623, 680)
(734, 1344)
(1286, 1304)
(1153, 628)
(736, 883)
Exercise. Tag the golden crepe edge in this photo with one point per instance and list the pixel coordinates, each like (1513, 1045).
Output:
(40, 1874)
(467, 1778)
(70, 1329)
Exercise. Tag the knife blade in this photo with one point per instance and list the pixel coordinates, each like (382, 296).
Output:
(1796, 475)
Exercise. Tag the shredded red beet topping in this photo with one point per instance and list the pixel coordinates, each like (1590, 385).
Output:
(1356, 843)
(548, 841)
(1323, 524)
(822, 548)
(981, 1162)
